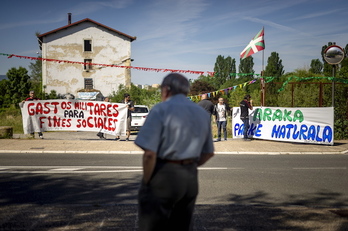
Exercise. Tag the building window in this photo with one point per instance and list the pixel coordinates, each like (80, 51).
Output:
(88, 83)
(87, 45)
(87, 64)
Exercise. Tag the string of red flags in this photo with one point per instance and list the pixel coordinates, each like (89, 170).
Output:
(112, 65)
(209, 73)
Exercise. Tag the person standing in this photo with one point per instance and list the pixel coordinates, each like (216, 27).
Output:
(245, 105)
(176, 138)
(130, 107)
(220, 111)
(32, 97)
(206, 104)
(100, 134)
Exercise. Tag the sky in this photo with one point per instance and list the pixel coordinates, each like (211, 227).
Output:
(184, 34)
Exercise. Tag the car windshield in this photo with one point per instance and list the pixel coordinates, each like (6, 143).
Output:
(140, 110)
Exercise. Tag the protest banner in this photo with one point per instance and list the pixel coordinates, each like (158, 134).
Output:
(307, 125)
(74, 115)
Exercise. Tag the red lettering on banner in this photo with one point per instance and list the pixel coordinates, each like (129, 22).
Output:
(97, 122)
(97, 110)
(55, 121)
(42, 122)
(90, 104)
(115, 106)
(48, 110)
(65, 105)
(89, 123)
(102, 109)
(108, 111)
(80, 105)
(38, 108)
(55, 107)
(31, 111)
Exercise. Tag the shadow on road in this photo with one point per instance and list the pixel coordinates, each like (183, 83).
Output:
(42, 202)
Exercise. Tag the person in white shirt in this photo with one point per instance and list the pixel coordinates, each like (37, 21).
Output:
(220, 111)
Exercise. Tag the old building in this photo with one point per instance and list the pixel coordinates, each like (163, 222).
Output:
(89, 43)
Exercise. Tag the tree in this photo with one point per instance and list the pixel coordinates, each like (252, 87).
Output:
(246, 67)
(274, 66)
(19, 84)
(225, 69)
(199, 87)
(316, 66)
(139, 96)
(274, 69)
(3, 87)
(36, 77)
(341, 104)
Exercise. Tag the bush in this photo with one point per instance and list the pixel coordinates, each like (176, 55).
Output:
(12, 117)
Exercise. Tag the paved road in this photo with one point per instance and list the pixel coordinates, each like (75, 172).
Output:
(98, 192)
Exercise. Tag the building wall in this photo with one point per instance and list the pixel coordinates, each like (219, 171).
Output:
(108, 47)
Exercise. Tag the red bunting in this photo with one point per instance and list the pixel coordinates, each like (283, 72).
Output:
(108, 65)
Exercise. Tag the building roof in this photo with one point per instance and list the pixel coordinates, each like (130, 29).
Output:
(82, 21)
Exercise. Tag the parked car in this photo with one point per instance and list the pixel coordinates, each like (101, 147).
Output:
(139, 116)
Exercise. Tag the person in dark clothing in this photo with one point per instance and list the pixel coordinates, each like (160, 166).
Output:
(245, 105)
(206, 104)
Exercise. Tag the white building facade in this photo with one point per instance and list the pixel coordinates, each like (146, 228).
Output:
(91, 43)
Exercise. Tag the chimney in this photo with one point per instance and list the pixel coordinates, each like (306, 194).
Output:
(69, 18)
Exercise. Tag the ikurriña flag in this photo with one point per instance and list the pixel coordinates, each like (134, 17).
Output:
(255, 45)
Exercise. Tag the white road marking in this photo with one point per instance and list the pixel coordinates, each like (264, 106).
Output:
(81, 169)
(321, 168)
(65, 169)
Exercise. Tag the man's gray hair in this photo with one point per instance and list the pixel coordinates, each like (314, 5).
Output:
(176, 84)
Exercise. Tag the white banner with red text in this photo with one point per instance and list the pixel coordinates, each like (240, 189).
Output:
(306, 125)
(74, 115)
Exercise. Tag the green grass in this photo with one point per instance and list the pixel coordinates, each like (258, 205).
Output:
(228, 127)
(12, 117)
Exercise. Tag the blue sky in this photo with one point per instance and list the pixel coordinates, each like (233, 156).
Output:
(184, 34)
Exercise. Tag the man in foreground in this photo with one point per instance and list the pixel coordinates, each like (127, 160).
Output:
(176, 138)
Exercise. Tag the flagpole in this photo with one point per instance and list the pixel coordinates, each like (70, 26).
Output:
(263, 52)
(262, 79)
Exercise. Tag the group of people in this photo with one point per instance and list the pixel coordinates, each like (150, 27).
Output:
(176, 138)
(221, 110)
(126, 100)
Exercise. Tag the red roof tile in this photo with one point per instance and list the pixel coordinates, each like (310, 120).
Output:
(82, 21)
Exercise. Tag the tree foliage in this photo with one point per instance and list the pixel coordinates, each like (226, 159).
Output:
(274, 66)
(225, 69)
(36, 78)
(200, 87)
(18, 85)
(316, 66)
(139, 96)
(246, 66)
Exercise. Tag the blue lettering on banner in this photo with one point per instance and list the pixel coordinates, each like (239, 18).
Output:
(302, 133)
(254, 130)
